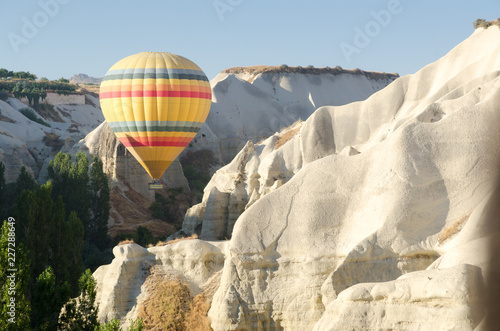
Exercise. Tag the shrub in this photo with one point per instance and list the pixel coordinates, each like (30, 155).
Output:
(142, 236)
(114, 325)
(477, 23)
(4, 95)
(137, 325)
(482, 23)
(30, 114)
(53, 140)
(81, 314)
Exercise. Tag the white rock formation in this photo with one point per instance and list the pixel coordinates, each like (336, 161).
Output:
(426, 162)
(370, 217)
(120, 285)
(439, 299)
(255, 106)
(26, 143)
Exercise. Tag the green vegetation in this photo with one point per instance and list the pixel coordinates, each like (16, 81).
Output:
(59, 226)
(197, 166)
(88, 196)
(81, 314)
(34, 91)
(99, 205)
(482, 23)
(18, 288)
(6, 74)
(142, 236)
(30, 114)
(4, 96)
(48, 300)
(197, 180)
(161, 208)
(114, 325)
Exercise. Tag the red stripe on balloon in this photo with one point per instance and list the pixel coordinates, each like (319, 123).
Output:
(155, 141)
(141, 94)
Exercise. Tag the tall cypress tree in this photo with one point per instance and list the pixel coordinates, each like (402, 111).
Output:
(2, 185)
(99, 205)
(70, 180)
(52, 240)
(47, 301)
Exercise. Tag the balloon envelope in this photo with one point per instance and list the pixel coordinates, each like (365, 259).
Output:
(155, 103)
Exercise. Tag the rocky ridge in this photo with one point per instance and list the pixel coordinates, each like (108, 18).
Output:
(378, 220)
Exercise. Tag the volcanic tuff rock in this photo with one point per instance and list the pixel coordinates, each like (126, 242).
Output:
(24, 142)
(254, 105)
(371, 215)
(380, 189)
(121, 284)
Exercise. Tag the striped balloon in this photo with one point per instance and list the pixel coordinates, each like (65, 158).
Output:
(155, 103)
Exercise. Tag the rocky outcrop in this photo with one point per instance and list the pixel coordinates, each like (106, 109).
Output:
(120, 285)
(440, 299)
(413, 191)
(369, 216)
(27, 143)
(253, 106)
(257, 170)
(84, 79)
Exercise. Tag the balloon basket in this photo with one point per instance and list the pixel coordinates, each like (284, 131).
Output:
(155, 186)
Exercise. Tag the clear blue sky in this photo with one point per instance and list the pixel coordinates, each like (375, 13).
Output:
(90, 36)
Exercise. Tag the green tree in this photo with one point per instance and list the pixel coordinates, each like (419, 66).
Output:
(143, 236)
(97, 229)
(25, 181)
(72, 249)
(47, 301)
(52, 240)
(33, 212)
(2, 185)
(70, 180)
(81, 314)
(3, 73)
(17, 288)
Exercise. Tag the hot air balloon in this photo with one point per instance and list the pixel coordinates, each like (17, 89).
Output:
(155, 103)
